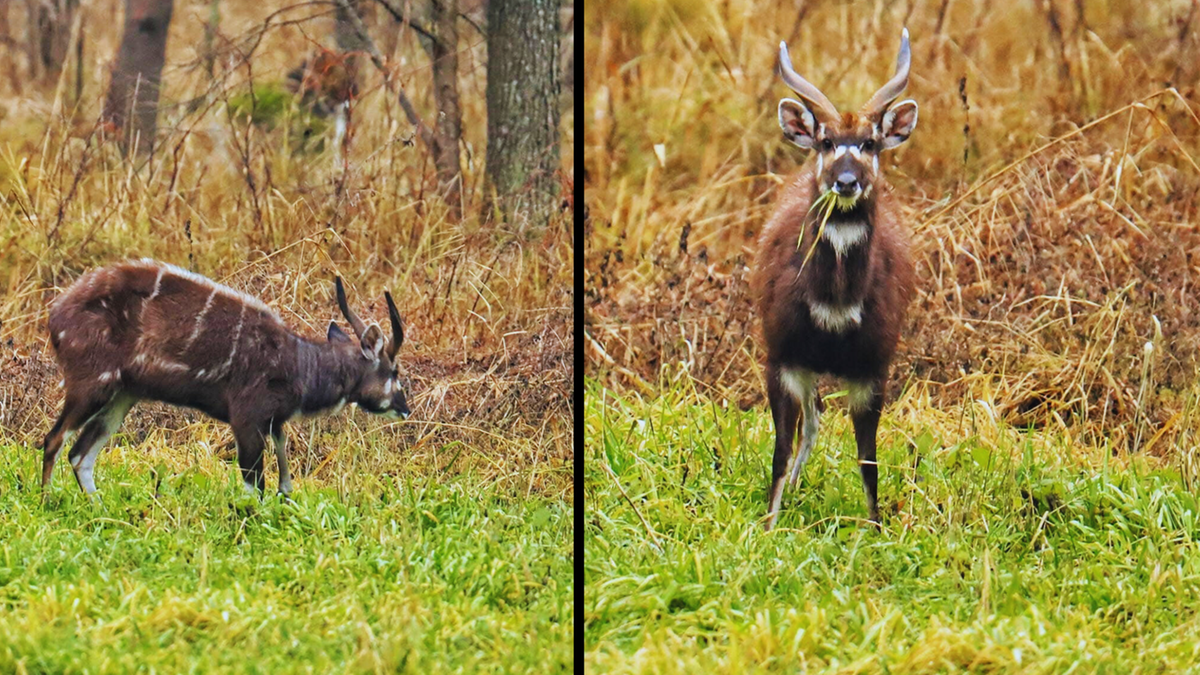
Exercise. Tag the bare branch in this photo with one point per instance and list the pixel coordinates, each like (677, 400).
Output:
(407, 20)
(377, 58)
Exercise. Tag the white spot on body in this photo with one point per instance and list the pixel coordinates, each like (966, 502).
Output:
(802, 385)
(845, 236)
(834, 318)
(61, 334)
(860, 396)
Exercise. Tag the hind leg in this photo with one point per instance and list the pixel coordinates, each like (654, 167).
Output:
(93, 437)
(76, 412)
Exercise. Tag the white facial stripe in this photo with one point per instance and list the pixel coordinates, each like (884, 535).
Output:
(853, 150)
(835, 318)
(875, 164)
(839, 151)
(820, 164)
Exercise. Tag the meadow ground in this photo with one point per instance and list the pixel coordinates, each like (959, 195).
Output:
(441, 543)
(1004, 551)
(416, 572)
(1046, 378)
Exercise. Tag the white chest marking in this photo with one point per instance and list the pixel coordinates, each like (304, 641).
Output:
(835, 318)
(845, 236)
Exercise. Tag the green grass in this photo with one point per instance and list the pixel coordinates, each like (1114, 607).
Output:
(1005, 551)
(420, 574)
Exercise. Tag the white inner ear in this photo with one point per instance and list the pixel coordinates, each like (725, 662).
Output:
(808, 122)
(893, 135)
(374, 349)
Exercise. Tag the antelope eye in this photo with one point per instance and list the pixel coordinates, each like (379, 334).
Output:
(827, 144)
(868, 145)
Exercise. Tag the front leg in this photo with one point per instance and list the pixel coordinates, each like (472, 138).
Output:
(250, 441)
(784, 411)
(866, 406)
(280, 439)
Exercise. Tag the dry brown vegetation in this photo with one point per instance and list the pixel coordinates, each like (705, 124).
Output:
(1050, 186)
(489, 352)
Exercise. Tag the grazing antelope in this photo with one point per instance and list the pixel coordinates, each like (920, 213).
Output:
(832, 299)
(145, 330)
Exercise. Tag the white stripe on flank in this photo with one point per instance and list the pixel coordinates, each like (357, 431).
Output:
(200, 319)
(157, 285)
(237, 334)
(207, 283)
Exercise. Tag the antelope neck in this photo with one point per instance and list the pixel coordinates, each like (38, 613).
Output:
(324, 374)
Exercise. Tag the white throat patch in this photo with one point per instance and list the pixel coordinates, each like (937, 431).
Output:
(845, 236)
(834, 318)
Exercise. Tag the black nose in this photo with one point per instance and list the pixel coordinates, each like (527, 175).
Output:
(846, 183)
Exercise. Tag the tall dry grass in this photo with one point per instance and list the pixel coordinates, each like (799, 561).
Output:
(1050, 188)
(488, 349)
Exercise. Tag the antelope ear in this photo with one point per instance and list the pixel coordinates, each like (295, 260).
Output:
(798, 123)
(898, 122)
(373, 342)
(335, 334)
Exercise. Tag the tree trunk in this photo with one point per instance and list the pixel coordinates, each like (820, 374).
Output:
(522, 104)
(51, 36)
(448, 129)
(131, 106)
